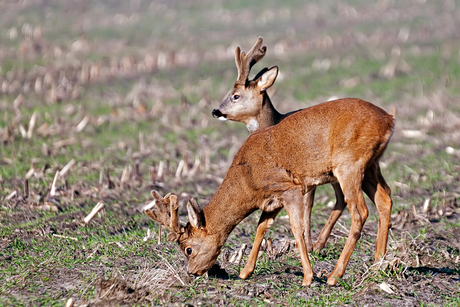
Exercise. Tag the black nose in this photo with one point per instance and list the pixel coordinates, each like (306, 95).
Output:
(217, 113)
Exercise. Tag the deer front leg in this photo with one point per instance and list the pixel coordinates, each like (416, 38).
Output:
(335, 215)
(265, 222)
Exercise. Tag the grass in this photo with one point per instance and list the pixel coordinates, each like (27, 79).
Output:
(140, 118)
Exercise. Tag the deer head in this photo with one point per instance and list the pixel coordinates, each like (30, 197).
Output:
(245, 101)
(199, 247)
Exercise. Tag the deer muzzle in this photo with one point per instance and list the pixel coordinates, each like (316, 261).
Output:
(216, 113)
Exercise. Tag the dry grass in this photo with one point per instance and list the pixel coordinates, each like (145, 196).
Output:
(106, 101)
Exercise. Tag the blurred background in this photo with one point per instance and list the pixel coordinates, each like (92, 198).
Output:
(109, 83)
(106, 100)
(114, 84)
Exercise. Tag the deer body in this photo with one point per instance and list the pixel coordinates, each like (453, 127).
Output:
(254, 108)
(339, 141)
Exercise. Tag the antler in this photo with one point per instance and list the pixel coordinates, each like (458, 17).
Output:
(244, 61)
(158, 210)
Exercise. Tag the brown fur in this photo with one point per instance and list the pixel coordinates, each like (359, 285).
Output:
(334, 142)
(255, 109)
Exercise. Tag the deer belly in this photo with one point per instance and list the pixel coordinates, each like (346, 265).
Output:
(310, 182)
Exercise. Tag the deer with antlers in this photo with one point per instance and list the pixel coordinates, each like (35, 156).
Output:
(336, 142)
(252, 106)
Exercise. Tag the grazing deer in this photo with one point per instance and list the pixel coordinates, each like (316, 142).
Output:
(250, 104)
(334, 142)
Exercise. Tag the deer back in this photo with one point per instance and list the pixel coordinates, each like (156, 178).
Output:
(313, 142)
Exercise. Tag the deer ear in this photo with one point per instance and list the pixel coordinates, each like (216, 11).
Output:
(268, 78)
(195, 215)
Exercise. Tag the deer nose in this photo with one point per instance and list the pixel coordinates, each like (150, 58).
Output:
(217, 113)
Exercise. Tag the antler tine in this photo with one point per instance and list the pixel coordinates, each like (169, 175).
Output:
(158, 211)
(244, 62)
(174, 209)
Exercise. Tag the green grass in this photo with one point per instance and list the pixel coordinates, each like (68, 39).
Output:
(36, 265)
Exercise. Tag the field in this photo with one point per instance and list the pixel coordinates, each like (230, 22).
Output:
(104, 101)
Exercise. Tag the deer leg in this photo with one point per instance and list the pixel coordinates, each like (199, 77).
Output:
(351, 187)
(265, 221)
(378, 191)
(308, 203)
(335, 215)
(293, 202)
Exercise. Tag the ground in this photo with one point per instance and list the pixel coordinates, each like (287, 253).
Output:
(121, 92)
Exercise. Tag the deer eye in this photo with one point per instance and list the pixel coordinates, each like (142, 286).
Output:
(235, 97)
(188, 251)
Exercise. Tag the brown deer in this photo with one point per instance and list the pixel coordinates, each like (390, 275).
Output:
(334, 142)
(251, 105)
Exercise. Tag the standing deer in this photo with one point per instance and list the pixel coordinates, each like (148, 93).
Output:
(250, 104)
(334, 142)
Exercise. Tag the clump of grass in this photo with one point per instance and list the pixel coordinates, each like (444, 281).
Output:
(163, 276)
(152, 281)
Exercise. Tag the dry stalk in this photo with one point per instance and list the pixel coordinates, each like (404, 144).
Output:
(195, 167)
(160, 170)
(269, 247)
(141, 142)
(148, 236)
(64, 143)
(172, 270)
(179, 168)
(30, 173)
(386, 287)
(69, 302)
(120, 245)
(83, 124)
(94, 252)
(65, 237)
(26, 188)
(125, 176)
(111, 287)
(344, 228)
(93, 212)
(152, 173)
(159, 235)
(33, 121)
(53, 186)
(240, 253)
(11, 195)
(66, 168)
(207, 160)
(426, 205)
(42, 129)
(284, 248)
(23, 131)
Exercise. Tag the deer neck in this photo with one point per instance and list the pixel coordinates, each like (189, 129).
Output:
(268, 116)
(229, 206)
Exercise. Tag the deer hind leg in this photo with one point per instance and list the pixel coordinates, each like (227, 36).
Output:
(351, 186)
(265, 221)
(335, 215)
(294, 204)
(376, 188)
